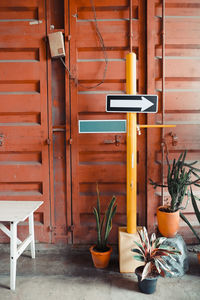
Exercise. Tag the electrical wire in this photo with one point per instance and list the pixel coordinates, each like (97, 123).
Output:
(103, 48)
(70, 74)
(101, 40)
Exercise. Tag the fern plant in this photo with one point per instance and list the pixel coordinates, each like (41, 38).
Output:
(152, 253)
(104, 223)
(178, 180)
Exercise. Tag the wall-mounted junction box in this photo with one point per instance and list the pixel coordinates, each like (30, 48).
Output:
(56, 43)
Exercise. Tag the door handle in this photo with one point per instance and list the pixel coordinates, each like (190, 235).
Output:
(116, 141)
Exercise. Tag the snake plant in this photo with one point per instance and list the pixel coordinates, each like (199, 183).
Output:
(104, 223)
(152, 253)
(178, 180)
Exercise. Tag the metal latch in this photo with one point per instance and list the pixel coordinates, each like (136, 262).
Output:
(48, 141)
(174, 138)
(52, 228)
(68, 37)
(70, 228)
(35, 22)
(116, 141)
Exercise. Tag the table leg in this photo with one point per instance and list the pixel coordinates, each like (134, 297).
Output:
(31, 232)
(13, 254)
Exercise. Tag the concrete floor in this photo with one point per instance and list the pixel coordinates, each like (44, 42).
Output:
(69, 274)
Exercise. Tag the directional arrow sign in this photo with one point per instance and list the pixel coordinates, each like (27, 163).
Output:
(132, 103)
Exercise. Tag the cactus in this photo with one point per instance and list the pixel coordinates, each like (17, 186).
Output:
(178, 180)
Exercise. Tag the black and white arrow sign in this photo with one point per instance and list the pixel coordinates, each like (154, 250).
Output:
(132, 103)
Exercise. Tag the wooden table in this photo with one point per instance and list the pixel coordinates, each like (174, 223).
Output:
(15, 212)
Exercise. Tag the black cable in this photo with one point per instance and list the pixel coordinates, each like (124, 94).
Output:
(103, 48)
(70, 74)
(104, 53)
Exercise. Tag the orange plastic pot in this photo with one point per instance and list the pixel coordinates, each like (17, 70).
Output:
(100, 259)
(168, 222)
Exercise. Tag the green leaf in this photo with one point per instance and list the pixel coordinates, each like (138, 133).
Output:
(104, 224)
(159, 241)
(138, 257)
(183, 160)
(164, 265)
(140, 247)
(157, 265)
(101, 229)
(146, 239)
(142, 239)
(164, 252)
(136, 250)
(153, 239)
(98, 201)
(98, 227)
(111, 210)
(114, 212)
(190, 226)
(196, 209)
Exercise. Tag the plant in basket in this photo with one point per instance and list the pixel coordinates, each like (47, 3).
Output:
(152, 253)
(101, 251)
(180, 177)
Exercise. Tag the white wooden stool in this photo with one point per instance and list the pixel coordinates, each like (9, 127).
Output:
(15, 212)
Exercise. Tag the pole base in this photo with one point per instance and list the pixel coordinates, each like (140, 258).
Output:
(127, 264)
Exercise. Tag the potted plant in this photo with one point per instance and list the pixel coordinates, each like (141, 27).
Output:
(101, 251)
(197, 213)
(179, 178)
(152, 253)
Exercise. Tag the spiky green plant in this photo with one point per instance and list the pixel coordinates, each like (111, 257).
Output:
(178, 180)
(152, 252)
(104, 224)
(197, 213)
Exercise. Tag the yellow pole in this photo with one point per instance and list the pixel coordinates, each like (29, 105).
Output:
(131, 147)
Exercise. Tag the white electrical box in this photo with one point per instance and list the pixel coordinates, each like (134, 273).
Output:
(56, 43)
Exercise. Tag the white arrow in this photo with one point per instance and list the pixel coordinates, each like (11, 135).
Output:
(143, 104)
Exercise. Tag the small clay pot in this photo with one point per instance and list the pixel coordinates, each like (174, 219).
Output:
(100, 259)
(168, 222)
(147, 285)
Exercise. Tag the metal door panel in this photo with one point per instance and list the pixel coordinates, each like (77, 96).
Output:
(178, 96)
(24, 154)
(93, 158)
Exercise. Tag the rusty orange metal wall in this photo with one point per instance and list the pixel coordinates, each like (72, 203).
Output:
(58, 101)
(181, 91)
(93, 160)
(24, 152)
(41, 144)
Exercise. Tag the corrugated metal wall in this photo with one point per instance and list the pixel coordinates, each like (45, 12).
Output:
(93, 159)
(181, 105)
(24, 156)
(74, 162)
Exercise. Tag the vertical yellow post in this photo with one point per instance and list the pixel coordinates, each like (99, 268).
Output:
(131, 147)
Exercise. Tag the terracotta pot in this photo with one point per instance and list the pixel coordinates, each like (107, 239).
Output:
(168, 222)
(100, 259)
